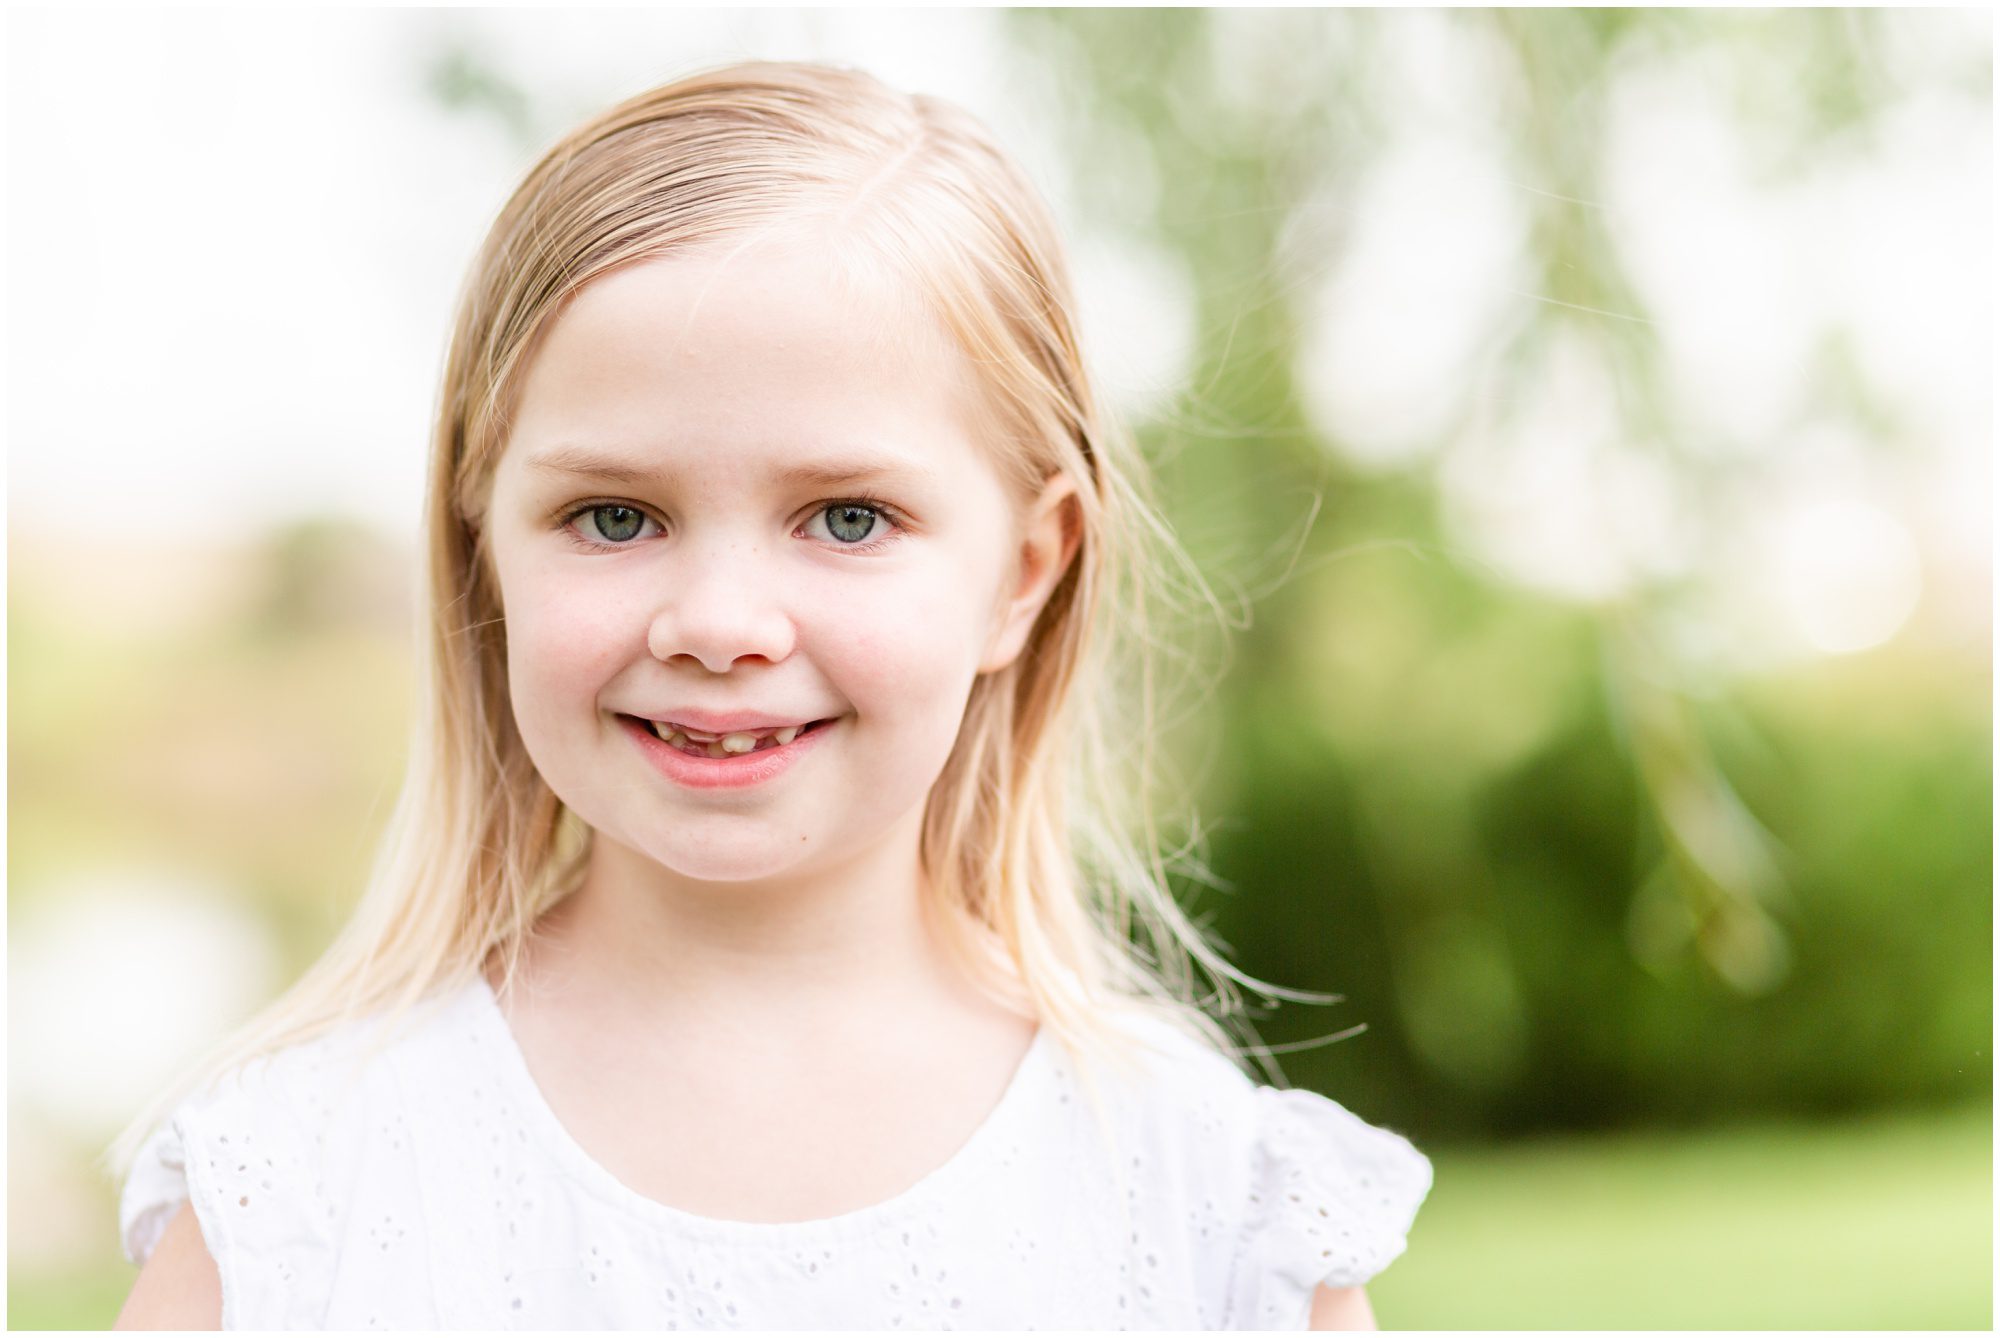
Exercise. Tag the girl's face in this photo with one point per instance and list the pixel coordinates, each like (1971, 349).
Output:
(660, 554)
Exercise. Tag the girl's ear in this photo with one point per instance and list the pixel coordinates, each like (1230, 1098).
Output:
(1048, 545)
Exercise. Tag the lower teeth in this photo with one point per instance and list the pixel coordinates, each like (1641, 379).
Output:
(716, 750)
(693, 749)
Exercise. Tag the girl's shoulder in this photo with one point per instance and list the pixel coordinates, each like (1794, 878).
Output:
(271, 1152)
(1320, 1196)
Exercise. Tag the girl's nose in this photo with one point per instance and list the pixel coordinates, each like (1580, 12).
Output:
(722, 604)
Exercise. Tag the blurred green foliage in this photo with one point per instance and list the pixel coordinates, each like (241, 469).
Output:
(271, 702)
(1562, 882)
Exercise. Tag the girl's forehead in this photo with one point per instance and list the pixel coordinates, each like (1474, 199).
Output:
(775, 294)
(753, 349)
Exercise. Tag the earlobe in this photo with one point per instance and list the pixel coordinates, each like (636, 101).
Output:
(1049, 543)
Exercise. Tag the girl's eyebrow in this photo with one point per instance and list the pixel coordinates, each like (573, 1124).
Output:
(582, 461)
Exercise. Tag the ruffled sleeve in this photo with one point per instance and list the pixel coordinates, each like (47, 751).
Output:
(1331, 1201)
(154, 1190)
(238, 1151)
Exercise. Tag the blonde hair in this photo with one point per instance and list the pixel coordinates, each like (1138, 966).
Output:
(1047, 898)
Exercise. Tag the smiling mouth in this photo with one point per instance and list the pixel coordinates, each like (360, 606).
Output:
(729, 745)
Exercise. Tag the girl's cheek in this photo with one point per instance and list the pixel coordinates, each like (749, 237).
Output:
(565, 638)
(585, 620)
(905, 638)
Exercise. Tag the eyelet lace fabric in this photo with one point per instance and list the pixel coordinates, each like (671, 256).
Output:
(428, 1185)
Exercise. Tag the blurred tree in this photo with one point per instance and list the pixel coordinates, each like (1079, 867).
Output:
(1514, 834)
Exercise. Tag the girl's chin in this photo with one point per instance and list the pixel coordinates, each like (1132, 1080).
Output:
(745, 857)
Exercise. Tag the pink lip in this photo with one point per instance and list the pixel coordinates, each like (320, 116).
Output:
(705, 722)
(721, 773)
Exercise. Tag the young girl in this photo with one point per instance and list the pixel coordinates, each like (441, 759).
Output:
(753, 945)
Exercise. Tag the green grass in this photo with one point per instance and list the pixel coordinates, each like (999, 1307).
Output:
(89, 1299)
(1880, 1223)
(1883, 1223)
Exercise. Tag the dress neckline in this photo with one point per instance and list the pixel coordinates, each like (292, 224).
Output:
(544, 1125)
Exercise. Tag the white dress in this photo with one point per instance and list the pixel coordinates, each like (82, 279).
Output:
(438, 1190)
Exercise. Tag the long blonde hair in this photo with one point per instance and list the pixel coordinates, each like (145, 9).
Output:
(1040, 841)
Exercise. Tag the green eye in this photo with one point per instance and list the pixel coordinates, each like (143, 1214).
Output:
(859, 525)
(842, 517)
(613, 523)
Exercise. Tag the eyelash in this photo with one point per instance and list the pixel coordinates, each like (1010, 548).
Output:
(881, 508)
